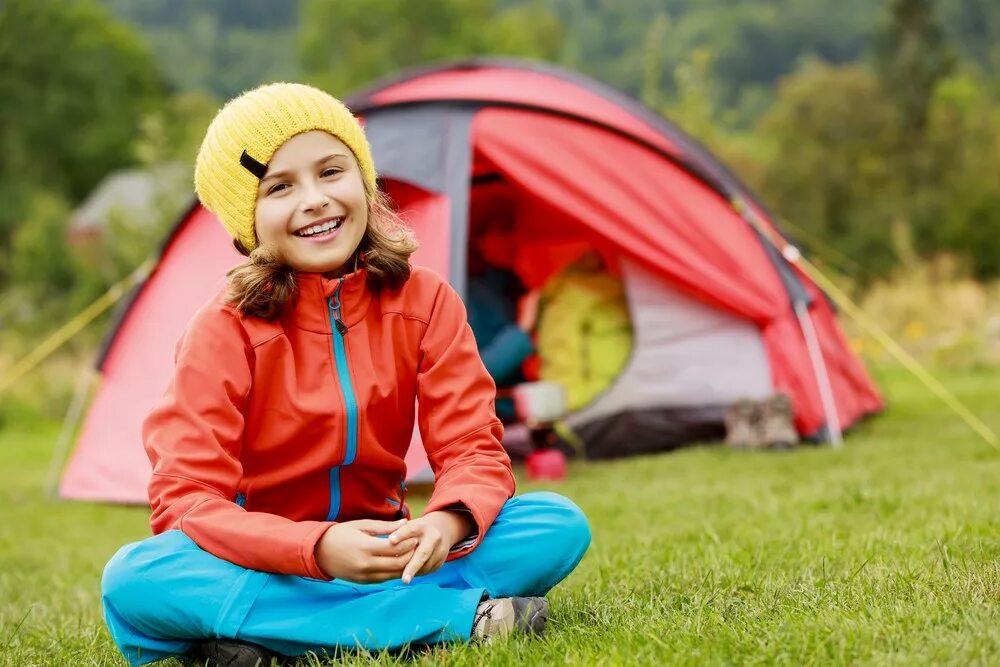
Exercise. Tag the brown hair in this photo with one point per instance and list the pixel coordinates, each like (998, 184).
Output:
(264, 285)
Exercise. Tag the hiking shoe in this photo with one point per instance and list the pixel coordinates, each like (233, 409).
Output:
(741, 424)
(776, 423)
(231, 653)
(501, 616)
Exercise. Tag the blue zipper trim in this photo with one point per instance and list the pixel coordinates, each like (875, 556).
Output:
(334, 493)
(240, 499)
(350, 401)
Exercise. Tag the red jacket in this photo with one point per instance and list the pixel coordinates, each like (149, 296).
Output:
(272, 431)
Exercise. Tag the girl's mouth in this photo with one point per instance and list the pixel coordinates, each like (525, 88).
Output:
(321, 231)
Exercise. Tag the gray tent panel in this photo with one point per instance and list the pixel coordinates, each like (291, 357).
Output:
(429, 146)
(689, 361)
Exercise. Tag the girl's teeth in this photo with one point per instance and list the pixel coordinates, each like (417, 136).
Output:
(312, 231)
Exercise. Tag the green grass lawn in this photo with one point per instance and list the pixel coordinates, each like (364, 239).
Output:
(885, 552)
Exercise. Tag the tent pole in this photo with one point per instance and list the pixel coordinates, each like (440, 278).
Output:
(70, 422)
(822, 377)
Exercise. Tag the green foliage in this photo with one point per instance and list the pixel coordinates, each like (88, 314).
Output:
(76, 83)
(963, 137)
(173, 132)
(42, 261)
(344, 44)
(834, 132)
(753, 42)
(974, 29)
(912, 56)
(221, 47)
(937, 311)
(256, 14)
(224, 62)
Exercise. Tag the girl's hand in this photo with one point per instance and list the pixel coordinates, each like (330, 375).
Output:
(436, 533)
(352, 551)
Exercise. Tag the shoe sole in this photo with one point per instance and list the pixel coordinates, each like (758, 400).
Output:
(537, 618)
(222, 653)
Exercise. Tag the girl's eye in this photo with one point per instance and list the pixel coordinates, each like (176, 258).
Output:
(330, 171)
(277, 187)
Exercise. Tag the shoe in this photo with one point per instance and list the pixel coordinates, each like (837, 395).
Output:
(231, 653)
(777, 429)
(741, 424)
(502, 616)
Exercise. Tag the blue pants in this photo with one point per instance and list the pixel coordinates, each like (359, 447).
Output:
(164, 594)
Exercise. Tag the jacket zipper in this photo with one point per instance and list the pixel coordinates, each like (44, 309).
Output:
(338, 330)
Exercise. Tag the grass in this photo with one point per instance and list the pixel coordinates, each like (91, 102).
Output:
(886, 552)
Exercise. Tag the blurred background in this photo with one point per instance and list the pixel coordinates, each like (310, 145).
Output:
(871, 128)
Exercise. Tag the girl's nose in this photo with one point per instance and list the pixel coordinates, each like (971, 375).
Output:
(313, 199)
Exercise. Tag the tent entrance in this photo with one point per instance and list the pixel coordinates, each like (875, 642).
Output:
(676, 363)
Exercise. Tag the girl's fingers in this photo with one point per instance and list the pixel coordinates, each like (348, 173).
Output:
(387, 548)
(420, 557)
(390, 567)
(427, 551)
(411, 529)
(433, 563)
(374, 527)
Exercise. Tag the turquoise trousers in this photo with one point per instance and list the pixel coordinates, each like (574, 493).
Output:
(164, 594)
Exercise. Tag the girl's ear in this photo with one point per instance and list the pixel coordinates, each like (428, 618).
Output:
(240, 248)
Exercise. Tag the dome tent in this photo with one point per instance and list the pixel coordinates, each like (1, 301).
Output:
(717, 312)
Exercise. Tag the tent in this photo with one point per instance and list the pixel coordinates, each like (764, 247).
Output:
(718, 313)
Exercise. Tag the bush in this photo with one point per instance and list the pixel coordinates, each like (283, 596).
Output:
(937, 312)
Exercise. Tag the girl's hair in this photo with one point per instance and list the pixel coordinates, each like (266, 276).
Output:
(264, 285)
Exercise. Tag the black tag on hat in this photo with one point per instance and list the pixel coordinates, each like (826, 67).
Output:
(251, 165)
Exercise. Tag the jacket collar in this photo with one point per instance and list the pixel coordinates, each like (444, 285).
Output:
(311, 309)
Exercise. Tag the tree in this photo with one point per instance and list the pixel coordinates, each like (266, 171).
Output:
(912, 56)
(833, 131)
(963, 135)
(75, 84)
(344, 44)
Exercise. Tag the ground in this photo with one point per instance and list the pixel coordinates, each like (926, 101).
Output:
(884, 552)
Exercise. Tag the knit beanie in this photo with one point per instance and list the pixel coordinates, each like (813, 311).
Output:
(245, 135)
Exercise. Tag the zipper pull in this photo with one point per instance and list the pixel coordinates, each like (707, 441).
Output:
(403, 512)
(335, 305)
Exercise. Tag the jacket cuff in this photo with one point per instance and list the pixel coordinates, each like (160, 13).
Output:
(467, 544)
(468, 540)
(308, 553)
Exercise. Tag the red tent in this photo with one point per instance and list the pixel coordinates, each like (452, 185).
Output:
(718, 313)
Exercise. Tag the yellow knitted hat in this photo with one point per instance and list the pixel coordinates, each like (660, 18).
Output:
(244, 136)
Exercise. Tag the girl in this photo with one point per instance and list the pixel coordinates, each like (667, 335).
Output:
(278, 498)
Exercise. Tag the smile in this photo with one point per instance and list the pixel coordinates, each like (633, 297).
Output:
(322, 227)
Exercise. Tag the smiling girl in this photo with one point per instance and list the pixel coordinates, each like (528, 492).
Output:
(278, 491)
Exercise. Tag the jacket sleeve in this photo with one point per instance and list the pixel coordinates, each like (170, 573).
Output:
(457, 423)
(193, 437)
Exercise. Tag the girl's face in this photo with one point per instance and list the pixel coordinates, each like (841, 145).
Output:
(311, 204)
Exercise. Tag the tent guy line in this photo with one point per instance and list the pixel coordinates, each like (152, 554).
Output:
(900, 354)
(856, 313)
(64, 333)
